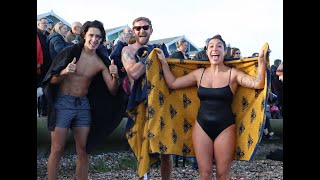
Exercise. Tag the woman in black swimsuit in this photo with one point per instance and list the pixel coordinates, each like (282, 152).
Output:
(214, 132)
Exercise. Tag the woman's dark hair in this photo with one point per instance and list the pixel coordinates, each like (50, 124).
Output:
(218, 36)
(94, 24)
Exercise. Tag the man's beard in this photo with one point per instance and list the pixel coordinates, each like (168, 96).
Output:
(144, 41)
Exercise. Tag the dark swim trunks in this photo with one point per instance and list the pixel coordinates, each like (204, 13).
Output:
(72, 111)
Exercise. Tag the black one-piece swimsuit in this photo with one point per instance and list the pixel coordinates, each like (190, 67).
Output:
(215, 113)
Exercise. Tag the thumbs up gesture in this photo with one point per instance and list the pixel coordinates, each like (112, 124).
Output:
(113, 69)
(72, 67)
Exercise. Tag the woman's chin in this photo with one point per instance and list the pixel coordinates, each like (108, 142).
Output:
(215, 61)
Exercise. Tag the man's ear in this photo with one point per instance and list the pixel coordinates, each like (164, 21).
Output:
(151, 30)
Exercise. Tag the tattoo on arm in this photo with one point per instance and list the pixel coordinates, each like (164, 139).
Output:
(127, 56)
(247, 81)
(258, 78)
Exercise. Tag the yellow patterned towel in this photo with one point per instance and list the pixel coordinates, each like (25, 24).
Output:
(162, 123)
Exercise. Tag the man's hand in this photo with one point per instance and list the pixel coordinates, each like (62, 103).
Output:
(71, 68)
(113, 70)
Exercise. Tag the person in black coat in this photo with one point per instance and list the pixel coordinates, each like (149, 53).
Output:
(202, 55)
(181, 53)
(82, 89)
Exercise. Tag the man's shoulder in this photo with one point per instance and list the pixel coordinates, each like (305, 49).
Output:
(128, 49)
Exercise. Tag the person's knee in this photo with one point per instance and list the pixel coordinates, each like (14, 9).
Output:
(206, 173)
(82, 153)
(223, 173)
(57, 149)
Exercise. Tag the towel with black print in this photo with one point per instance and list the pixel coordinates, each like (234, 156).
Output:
(162, 123)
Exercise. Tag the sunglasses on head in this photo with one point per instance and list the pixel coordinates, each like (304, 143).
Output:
(138, 28)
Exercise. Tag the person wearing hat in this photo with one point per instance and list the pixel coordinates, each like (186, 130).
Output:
(202, 55)
(279, 72)
(49, 25)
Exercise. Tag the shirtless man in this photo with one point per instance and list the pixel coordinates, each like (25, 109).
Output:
(71, 104)
(142, 29)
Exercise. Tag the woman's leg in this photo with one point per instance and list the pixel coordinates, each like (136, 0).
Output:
(224, 151)
(203, 146)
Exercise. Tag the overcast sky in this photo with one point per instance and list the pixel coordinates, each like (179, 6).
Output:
(246, 24)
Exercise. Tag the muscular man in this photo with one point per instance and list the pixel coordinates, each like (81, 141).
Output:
(68, 83)
(142, 29)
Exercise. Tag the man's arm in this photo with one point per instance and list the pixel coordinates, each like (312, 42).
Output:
(134, 69)
(111, 78)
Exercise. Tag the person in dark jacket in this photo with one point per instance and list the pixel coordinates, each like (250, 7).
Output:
(80, 84)
(123, 41)
(50, 25)
(277, 154)
(181, 52)
(42, 33)
(277, 85)
(57, 39)
(74, 32)
(202, 55)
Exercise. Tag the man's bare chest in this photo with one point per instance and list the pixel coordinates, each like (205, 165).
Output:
(88, 66)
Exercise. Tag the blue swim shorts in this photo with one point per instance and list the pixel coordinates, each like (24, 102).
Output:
(72, 111)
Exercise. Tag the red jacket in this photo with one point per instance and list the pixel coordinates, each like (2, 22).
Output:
(39, 56)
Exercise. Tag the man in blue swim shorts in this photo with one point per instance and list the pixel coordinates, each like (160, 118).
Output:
(73, 77)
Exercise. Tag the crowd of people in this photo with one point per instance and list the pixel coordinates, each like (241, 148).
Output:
(80, 68)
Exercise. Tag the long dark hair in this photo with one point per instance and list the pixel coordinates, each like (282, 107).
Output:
(95, 24)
